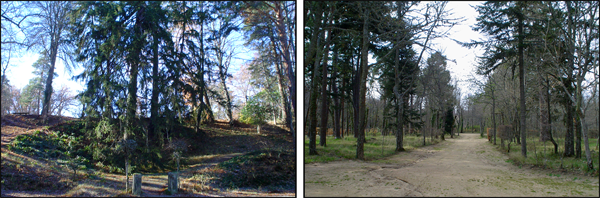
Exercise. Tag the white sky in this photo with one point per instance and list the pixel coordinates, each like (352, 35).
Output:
(465, 58)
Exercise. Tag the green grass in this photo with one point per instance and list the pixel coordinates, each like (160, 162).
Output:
(377, 147)
(542, 155)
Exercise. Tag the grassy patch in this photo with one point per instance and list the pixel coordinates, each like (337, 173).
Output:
(376, 148)
(542, 155)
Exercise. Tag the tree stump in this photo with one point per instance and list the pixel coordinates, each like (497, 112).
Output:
(173, 182)
(137, 184)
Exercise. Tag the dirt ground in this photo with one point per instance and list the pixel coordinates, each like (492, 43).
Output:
(464, 166)
(108, 184)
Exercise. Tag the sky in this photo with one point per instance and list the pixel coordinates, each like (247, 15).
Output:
(461, 60)
(20, 71)
(465, 59)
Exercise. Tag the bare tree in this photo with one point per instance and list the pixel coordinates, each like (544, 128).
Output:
(48, 32)
(62, 100)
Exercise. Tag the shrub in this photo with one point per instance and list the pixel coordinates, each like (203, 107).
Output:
(256, 109)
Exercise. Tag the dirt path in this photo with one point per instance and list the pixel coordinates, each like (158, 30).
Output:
(155, 184)
(465, 166)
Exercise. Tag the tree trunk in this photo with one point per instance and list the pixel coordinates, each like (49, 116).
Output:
(312, 130)
(363, 69)
(210, 117)
(284, 45)
(550, 117)
(336, 99)
(578, 132)
(569, 150)
(313, 58)
(493, 112)
(522, 89)
(202, 84)
(154, 100)
(569, 138)
(223, 76)
(48, 90)
(580, 119)
(400, 106)
(324, 92)
(284, 102)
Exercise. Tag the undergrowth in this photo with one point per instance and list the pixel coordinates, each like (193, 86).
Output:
(266, 169)
(542, 155)
(377, 147)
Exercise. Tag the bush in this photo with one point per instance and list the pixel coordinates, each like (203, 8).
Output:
(256, 109)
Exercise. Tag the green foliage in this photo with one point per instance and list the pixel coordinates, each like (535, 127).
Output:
(449, 120)
(256, 110)
(104, 128)
(40, 145)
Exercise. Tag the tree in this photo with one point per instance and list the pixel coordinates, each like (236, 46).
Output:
(49, 32)
(438, 88)
(62, 100)
(13, 21)
(255, 110)
(223, 49)
(279, 17)
(503, 44)
(312, 57)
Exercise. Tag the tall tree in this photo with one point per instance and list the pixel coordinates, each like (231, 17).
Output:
(280, 17)
(499, 20)
(48, 32)
(223, 48)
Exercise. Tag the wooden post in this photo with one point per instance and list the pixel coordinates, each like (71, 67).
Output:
(173, 182)
(137, 184)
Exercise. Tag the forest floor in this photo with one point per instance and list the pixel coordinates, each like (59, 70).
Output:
(464, 166)
(44, 177)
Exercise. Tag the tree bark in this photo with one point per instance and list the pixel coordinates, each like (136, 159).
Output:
(324, 93)
(550, 117)
(400, 105)
(569, 137)
(284, 102)
(314, 58)
(283, 39)
(48, 90)
(569, 144)
(364, 68)
(336, 98)
(522, 89)
(493, 112)
(154, 100)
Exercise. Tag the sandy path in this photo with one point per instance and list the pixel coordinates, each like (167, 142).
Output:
(465, 166)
